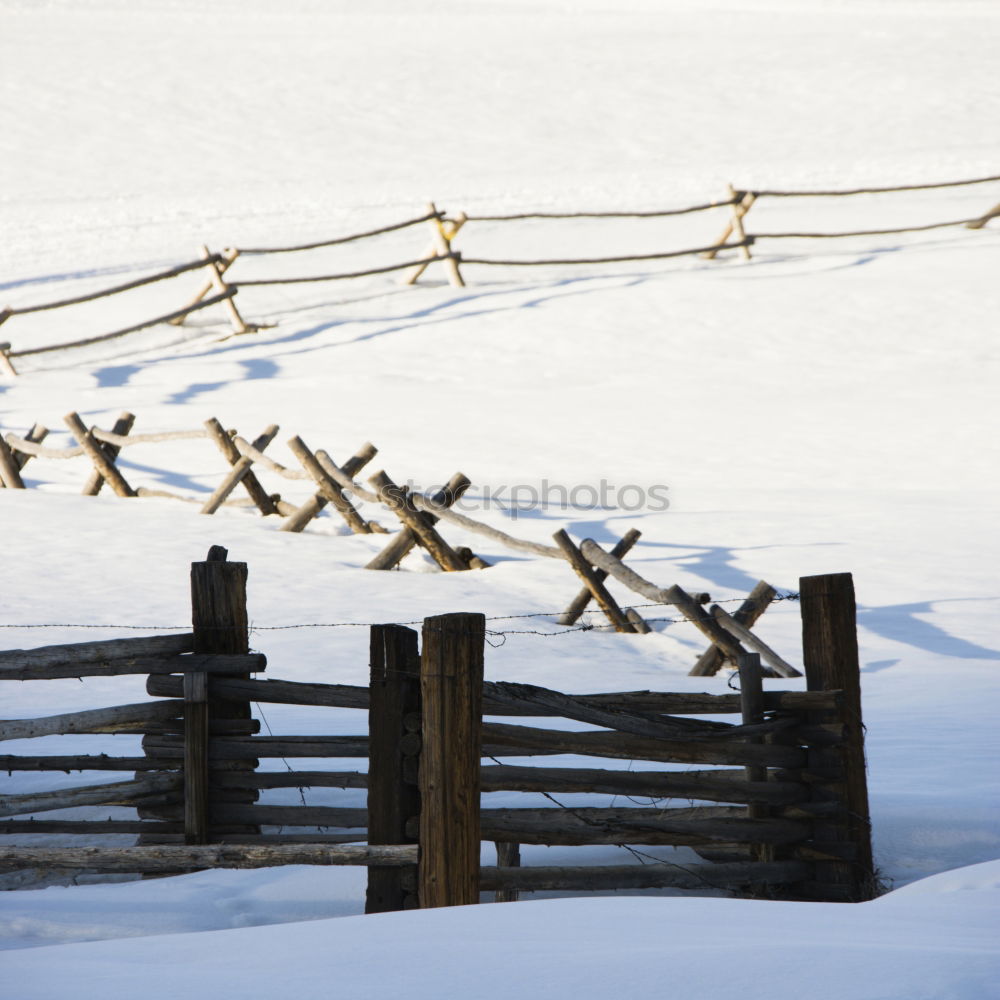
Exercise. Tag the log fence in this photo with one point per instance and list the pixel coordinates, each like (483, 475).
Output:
(422, 521)
(443, 229)
(777, 806)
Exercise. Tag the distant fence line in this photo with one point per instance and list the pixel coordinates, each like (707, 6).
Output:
(443, 231)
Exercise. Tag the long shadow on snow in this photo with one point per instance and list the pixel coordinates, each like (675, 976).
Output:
(119, 375)
(900, 623)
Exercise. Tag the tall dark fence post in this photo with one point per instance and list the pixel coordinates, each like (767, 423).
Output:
(394, 745)
(451, 683)
(220, 625)
(830, 655)
(196, 758)
(752, 711)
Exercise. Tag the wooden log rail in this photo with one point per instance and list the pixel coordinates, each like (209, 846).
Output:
(497, 699)
(500, 740)
(875, 190)
(113, 290)
(171, 859)
(102, 337)
(622, 259)
(337, 241)
(724, 631)
(651, 214)
(120, 793)
(343, 276)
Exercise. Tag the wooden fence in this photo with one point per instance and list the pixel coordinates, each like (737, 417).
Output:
(218, 289)
(785, 816)
(419, 518)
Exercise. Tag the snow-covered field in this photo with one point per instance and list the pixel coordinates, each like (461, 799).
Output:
(830, 406)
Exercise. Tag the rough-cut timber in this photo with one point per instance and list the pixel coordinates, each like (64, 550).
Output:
(134, 665)
(94, 451)
(542, 701)
(98, 652)
(121, 426)
(634, 825)
(172, 858)
(598, 591)
(583, 598)
(297, 520)
(116, 793)
(328, 486)
(84, 762)
(10, 471)
(508, 856)
(501, 739)
(276, 692)
(405, 539)
(37, 434)
(451, 682)
(247, 748)
(241, 469)
(401, 504)
(710, 785)
(752, 702)
(646, 702)
(830, 655)
(395, 696)
(648, 876)
(748, 612)
(741, 632)
(196, 721)
(675, 595)
(219, 621)
(95, 720)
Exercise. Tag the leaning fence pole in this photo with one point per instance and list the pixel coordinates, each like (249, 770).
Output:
(393, 756)
(451, 686)
(830, 654)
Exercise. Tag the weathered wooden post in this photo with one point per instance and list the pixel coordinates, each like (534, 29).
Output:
(451, 686)
(394, 745)
(196, 758)
(752, 711)
(123, 425)
(10, 473)
(830, 654)
(220, 625)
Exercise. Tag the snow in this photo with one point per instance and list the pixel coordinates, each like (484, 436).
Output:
(938, 942)
(828, 407)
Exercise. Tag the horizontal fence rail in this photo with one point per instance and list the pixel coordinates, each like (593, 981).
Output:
(777, 805)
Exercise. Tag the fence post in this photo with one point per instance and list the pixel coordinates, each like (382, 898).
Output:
(219, 623)
(394, 742)
(5, 361)
(10, 473)
(451, 686)
(196, 758)
(752, 710)
(122, 425)
(830, 655)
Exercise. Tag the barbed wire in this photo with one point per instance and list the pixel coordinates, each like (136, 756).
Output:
(253, 628)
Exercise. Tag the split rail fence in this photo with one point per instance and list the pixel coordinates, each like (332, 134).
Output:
(220, 288)
(777, 807)
(422, 520)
